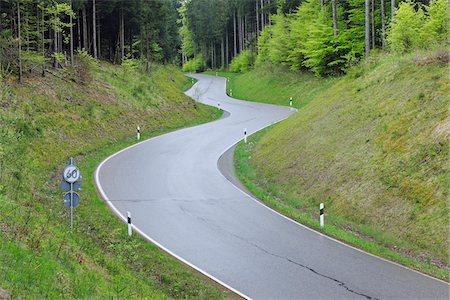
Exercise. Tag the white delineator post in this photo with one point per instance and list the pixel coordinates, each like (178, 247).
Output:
(129, 223)
(290, 102)
(245, 135)
(231, 93)
(218, 105)
(138, 133)
(321, 215)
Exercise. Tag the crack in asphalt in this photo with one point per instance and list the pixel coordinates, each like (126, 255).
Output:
(340, 283)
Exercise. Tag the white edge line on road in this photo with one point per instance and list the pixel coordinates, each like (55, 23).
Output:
(122, 217)
(306, 227)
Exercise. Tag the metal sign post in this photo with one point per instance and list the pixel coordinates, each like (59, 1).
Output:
(71, 180)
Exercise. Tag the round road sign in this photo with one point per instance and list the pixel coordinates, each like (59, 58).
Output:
(71, 174)
(76, 199)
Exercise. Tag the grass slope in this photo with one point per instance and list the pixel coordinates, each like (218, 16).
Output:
(274, 84)
(373, 146)
(43, 123)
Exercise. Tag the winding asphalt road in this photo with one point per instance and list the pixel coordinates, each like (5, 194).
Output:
(180, 200)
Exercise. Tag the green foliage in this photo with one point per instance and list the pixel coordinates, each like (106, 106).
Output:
(302, 23)
(264, 46)
(436, 29)
(279, 43)
(129, 65)
(194, 65)
(406, 32)
(241, 63)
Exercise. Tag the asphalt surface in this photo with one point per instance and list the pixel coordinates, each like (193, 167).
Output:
(180, 200)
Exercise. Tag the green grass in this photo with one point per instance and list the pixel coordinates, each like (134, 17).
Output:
(48, 120)
(373, 147)
(272, 84)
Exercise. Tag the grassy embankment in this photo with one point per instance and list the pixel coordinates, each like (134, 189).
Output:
(373, 146)
(275, 85)
(43, 123)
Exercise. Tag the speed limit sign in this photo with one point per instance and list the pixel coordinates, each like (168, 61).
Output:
(71, 174)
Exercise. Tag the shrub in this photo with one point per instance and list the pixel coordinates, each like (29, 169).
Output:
(407, 30)
(241, 63)
(193, 65)
(84, 63)
(436, 30)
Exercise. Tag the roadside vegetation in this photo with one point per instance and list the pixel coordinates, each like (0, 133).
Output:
(88, 111)
(373, 147)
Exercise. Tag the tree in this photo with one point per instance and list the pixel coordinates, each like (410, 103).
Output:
(367, 26)
(19, 36)
(383, 24)
(335, 29)
(406, 32)
(94, 30)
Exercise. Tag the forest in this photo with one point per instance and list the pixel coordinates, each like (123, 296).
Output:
(325, 37)
(38, 33)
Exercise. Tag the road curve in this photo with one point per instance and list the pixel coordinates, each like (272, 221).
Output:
(179, 200)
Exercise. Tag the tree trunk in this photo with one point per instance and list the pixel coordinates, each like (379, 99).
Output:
(222, 53)
(99, 43)
(383, 24)
(333, 4)
(43, 41)
(321, 3)
(262, 15)
(20, 41)
(392, 10)
(55, 43)
(28, 31)
(373, 24)
(122, 36)
(257, 18)
(367, 25)
(71, 35)
(85, 41)
(79, 33)
(234, 34)
(94, 30)
(226, 48)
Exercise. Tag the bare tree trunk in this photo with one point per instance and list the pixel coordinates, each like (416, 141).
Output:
(226, 47)
(262, 15)
(367, 25)
(321, 3)
(257, 18)
(28, 31)
(269, 15)
(79, 33)
(20, 41)
(333, 4)
(122, 36)
(373, 24)
(234, 33)
(392, 10)
(85, 41)
(43, 41)
(94, 30)
(99, 43)
(71, 35)
(212, 56)
(55, 43)
(222, 53)
(383, 24)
